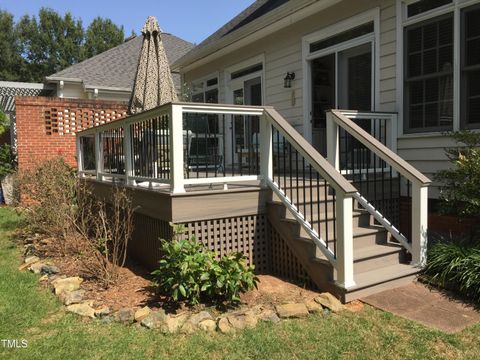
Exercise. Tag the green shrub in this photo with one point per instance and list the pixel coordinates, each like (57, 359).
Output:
(190, 272)
(460, 191)
(6, 161)
(455, 264)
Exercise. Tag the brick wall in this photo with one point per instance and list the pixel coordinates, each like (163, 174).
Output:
(46, 126)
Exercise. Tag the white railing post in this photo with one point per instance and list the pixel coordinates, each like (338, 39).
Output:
(176, 149)
(344, 254)
(79, 153)
(127, 154)
(99, 155)
(266, 150)
(333, 145)
(419, 224)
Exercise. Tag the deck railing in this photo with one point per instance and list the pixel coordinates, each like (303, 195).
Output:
(180, 145)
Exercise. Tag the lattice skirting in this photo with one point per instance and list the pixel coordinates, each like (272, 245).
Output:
(252, 235)
(284, 262)
(245, 234)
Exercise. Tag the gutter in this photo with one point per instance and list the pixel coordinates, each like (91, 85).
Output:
(256, 30)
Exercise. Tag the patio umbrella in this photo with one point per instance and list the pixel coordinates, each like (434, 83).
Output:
(153, 84)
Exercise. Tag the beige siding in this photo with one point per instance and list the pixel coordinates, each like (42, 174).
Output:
(283, 53)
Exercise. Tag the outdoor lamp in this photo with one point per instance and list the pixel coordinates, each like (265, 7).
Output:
(287, 82)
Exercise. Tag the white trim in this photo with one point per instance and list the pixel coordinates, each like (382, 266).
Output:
(324, 33)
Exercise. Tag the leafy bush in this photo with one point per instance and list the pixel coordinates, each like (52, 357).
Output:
(6, 161)
(460, 191)
(190, 272)
(455, 264)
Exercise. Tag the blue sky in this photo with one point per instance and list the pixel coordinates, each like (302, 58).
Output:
(192, 20)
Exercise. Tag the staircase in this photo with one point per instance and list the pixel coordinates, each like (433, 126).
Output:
(379, 262)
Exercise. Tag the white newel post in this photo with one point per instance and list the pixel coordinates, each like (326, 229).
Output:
(79, 153)
(127, 153)
(99, 155)
(344, 218)
(266, 150)
(176, 149)
(333, 146)
(419, 223)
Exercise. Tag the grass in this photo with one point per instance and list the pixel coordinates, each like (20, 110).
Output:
(31, 313)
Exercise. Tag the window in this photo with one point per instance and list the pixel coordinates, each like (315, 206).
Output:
(356, 32)
(422, 6)
(205, 91)
(429, 75)
(470, 82)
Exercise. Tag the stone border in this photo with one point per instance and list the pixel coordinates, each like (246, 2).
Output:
(69, 291)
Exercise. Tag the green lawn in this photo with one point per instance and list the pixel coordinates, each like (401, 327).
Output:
(31, 313)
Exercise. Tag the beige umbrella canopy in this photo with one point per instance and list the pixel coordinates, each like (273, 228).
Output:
(153, 84)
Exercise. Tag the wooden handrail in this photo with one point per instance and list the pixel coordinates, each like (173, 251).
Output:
(380, 150)
(318, 162)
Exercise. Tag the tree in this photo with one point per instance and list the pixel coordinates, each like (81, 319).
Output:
(10, 59)
(49, 44)
(102, 34)
(4, 123)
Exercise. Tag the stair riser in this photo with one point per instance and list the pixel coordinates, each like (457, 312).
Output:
(369, 240)
(376, 262)
(357, 220)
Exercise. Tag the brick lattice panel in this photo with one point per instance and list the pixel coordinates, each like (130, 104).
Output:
(63, 121)
(284, 262)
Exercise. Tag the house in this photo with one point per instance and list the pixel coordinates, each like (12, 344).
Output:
(259, 163)
(89, 93)
(110, 75)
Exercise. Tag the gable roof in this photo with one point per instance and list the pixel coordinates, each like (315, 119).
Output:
(260, 19)
(116, 67)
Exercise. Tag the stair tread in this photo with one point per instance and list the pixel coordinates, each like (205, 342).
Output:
(375, 251)
(383, 275)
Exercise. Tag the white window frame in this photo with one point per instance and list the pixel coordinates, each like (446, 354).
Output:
(403, 21)
(203, 89)
(230, 84)
(372, 15)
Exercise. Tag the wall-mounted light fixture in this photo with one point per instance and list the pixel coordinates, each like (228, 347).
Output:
(287, 81)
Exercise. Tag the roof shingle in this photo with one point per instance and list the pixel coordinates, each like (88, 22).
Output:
(116, 68)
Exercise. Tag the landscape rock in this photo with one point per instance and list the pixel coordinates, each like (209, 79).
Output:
(208, 325)
(36, 267)
(125, 315)
(329, 301)
(82, 309)
(30, 250)
(155, 320)
(29, 261)
(43, 278)
(224, 326)
(313, 306)
(103, 312)
(295, 310)
(188, 328)
(72, 297)
(269, 315)
(201, 316)
(49, 269)
(142, 313)
(243, 321)
(173, 324)
(67, 284)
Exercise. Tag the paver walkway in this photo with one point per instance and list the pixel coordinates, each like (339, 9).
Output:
(427, 306)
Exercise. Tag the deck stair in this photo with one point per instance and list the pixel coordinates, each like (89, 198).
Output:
(379, 262)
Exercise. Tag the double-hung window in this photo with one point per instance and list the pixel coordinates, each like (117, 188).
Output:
(434, 67)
